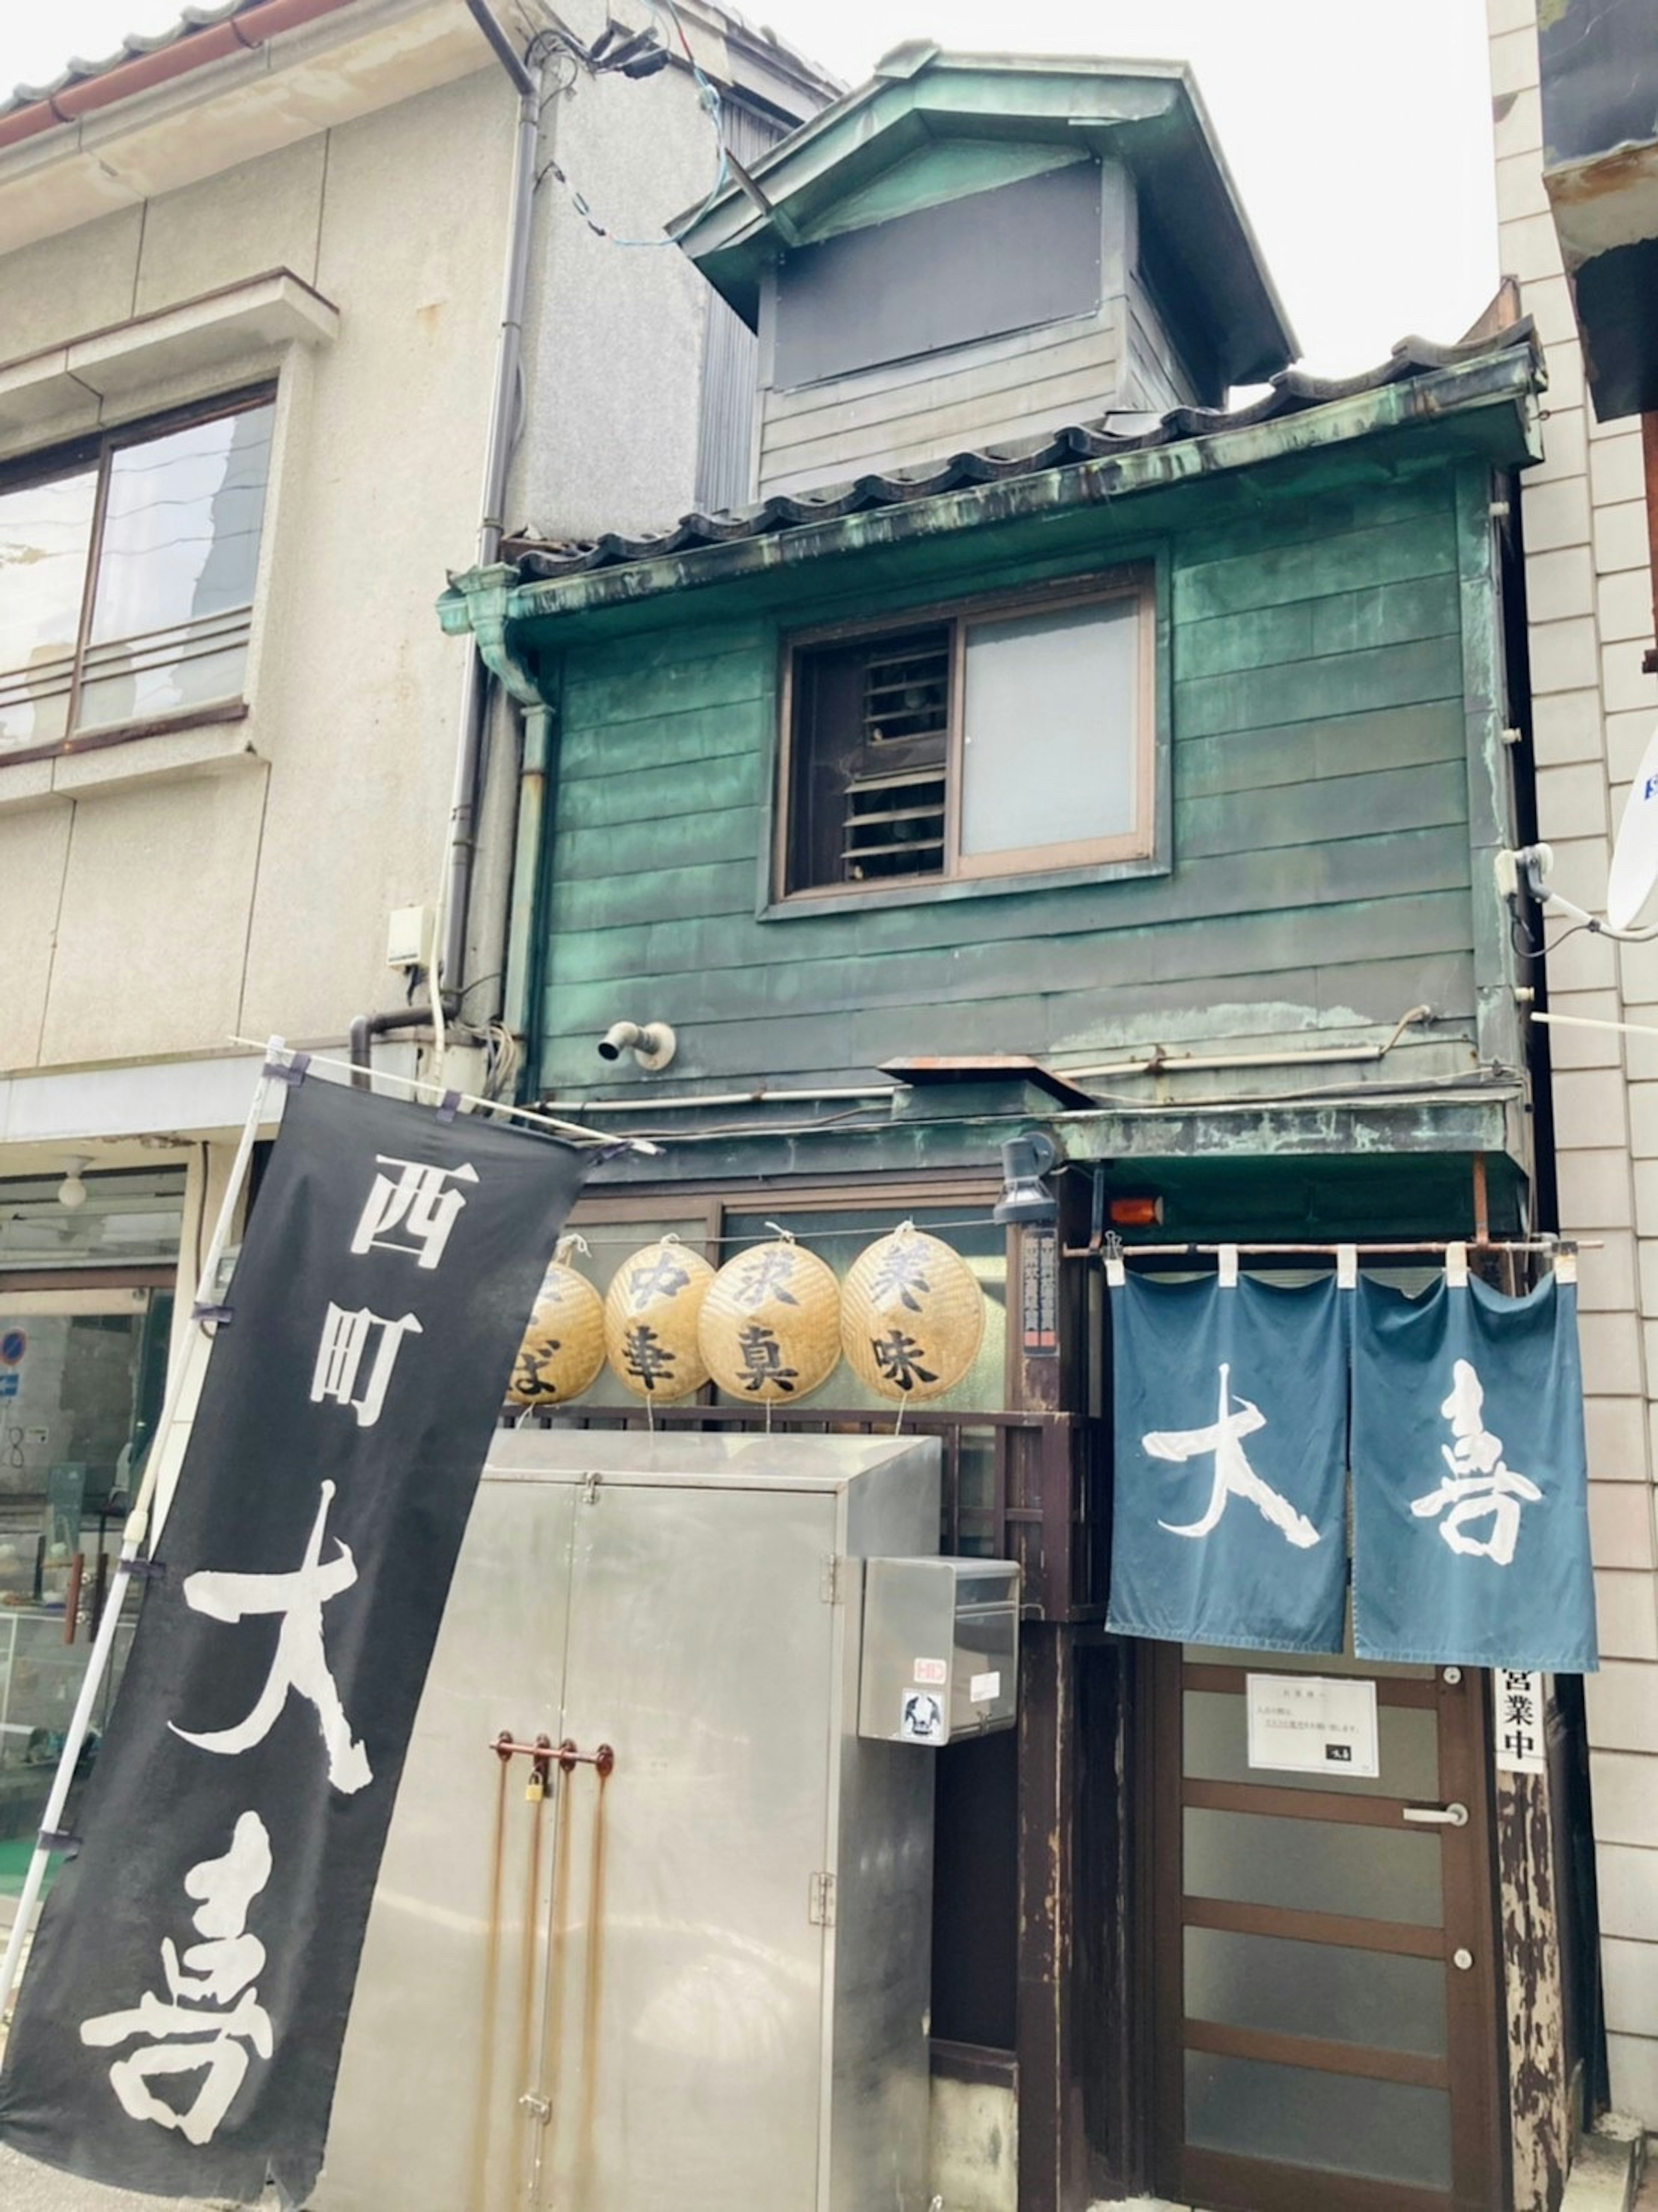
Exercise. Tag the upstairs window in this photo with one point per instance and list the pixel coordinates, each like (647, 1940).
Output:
(999, 739)
(127, 568)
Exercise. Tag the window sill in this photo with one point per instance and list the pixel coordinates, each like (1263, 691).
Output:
(208, 743)
(799, 905)
(260, 314)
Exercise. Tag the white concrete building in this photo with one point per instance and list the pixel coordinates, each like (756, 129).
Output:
(250, 296)
(1589, 601)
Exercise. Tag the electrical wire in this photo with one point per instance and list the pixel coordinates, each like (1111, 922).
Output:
(709, 100)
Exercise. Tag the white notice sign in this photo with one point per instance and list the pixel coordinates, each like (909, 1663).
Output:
(1520, 1736)
(1312, 1724)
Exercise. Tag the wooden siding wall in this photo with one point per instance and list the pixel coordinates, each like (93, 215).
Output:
(1320, 883)
(904, 413)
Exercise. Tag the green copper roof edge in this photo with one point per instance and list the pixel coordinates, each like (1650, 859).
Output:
(1507, 379)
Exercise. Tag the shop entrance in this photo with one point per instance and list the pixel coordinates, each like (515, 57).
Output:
(81, 1370)
(1326, 1967)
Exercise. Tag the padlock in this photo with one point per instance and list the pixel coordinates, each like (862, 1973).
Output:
(536, 1787)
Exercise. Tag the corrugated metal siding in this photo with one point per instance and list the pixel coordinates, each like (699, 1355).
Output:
(725, 429)
(1322, 877)
(900, 414)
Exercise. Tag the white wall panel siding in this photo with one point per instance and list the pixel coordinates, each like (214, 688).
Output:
(1584, 517)
(996, 390)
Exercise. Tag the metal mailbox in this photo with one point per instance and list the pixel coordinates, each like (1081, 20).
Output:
(941, 1650)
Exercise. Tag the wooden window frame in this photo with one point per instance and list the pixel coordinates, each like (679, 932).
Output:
(1135, 581)
(98, 448)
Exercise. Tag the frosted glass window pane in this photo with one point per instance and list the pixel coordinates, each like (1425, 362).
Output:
(1318, 1866)
(1337, 2123)
(1216, 1750)
(176, 569)
(1050, 750)
(45, 533)
(1323, 1989)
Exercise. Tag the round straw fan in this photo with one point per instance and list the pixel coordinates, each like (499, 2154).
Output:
(770, 1328)
(651, 1312)
(912, 1315)
(563, 1347)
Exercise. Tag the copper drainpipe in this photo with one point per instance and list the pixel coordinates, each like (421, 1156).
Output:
(241, 32)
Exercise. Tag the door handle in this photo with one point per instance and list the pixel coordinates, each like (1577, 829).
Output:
(1439, 1816)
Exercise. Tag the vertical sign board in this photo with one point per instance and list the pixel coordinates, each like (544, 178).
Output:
(1519, 1728)
(179, 2029)
(1039, 1293)
(1312, 1725)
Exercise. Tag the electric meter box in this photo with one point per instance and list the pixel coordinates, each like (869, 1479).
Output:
(941, 1650)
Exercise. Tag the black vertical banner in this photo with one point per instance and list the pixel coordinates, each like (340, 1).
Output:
(179, 2025)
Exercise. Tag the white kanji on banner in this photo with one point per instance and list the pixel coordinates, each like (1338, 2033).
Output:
(210, 2018)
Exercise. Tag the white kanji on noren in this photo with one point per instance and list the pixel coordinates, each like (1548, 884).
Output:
(1234, 1476)
(1480, 1485)
(345, 1334)
(211, 2015)
(416, 1202)
(301, 1663)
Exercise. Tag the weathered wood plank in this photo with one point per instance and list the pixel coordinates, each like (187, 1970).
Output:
(1255, 760)
(1029, 410)
(1313, 690)
(866, 1024)
(670, 742)
(664, 647)
(684, 841)
(877, 397)
(1321, 808)
(937, 981)
(1301, 629)
(1267, 575)
(624, 693)
(627, 795)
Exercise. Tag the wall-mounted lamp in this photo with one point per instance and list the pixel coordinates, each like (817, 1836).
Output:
(1027, 1198)
(72, 1191)
(652, 1045)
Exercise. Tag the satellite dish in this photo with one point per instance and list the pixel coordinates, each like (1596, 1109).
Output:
(1635, 856)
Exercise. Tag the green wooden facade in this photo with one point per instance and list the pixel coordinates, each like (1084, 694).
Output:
(1333, 782)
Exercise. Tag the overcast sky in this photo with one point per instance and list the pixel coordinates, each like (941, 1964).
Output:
(1358, 132)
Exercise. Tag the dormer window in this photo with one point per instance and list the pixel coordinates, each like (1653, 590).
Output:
(996, 738)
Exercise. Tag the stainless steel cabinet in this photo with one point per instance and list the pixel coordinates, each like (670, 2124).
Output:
(698, 1981)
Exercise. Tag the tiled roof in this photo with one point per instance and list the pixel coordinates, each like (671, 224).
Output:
(138, 45)
(133, 47)
(1290, 394)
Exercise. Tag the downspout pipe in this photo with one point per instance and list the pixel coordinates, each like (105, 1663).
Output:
(458, 878)
(447, 983)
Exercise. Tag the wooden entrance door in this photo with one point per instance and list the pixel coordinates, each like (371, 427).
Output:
(1325, 1955)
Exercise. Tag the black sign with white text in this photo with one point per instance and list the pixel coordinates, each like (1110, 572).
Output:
(180, 2026)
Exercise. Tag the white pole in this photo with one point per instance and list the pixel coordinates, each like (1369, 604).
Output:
(132, 1542)
(1589, 1022)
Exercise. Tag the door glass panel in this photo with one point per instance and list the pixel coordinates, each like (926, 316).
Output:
(1336, 2123)
(1323, 1989)
(1309, 1662)
(1218, 1750)
(1318, 1866)
(82, 1374)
